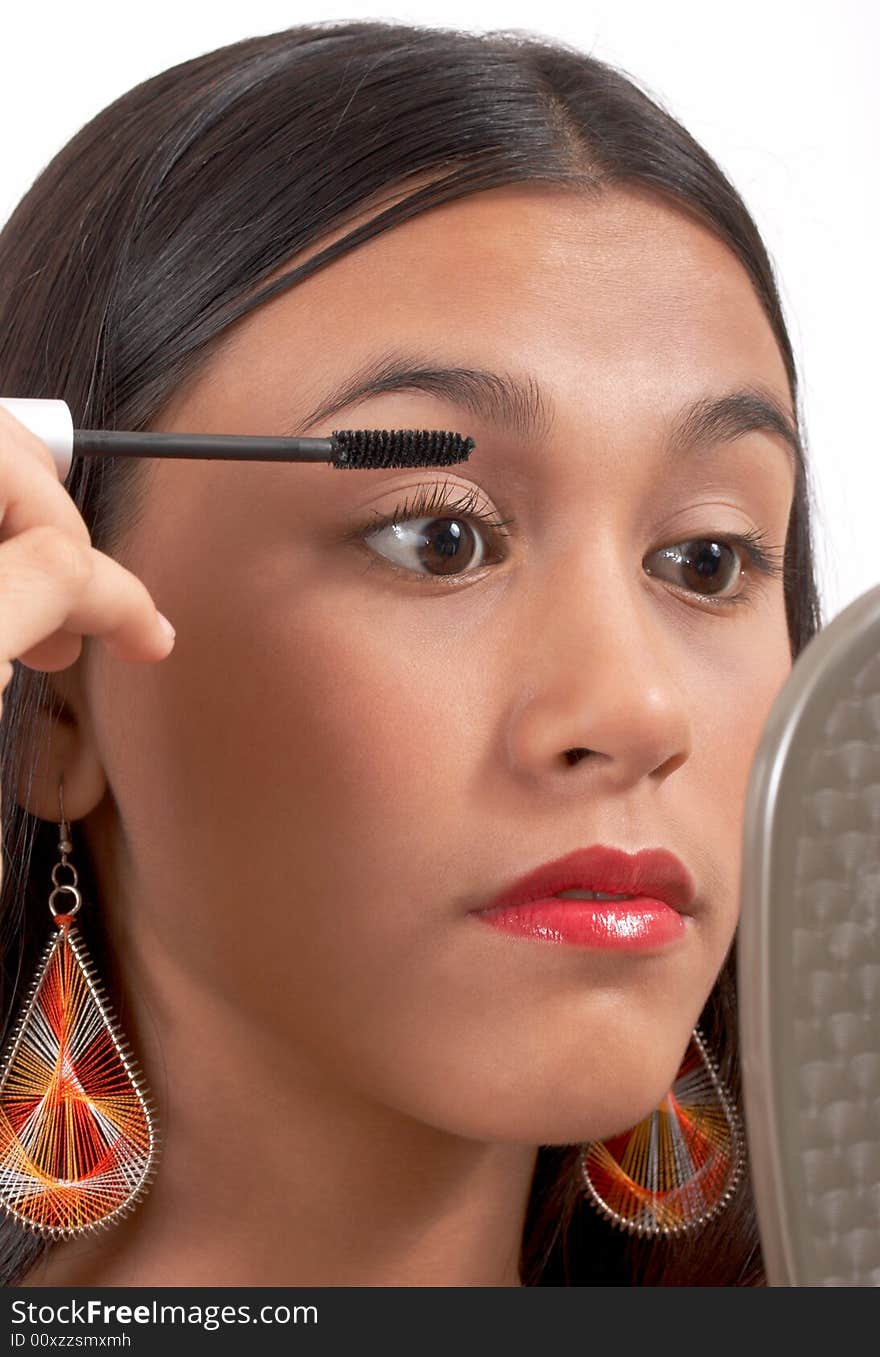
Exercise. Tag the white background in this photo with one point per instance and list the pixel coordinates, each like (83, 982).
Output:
(782, 93)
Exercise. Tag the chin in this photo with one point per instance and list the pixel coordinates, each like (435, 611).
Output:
(540, 1113)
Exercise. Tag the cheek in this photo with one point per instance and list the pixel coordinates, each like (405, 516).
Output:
(360, 725)
(344, 781)
(726, 732)
(315, 772)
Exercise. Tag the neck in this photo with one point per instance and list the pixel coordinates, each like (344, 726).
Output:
(272, 1174)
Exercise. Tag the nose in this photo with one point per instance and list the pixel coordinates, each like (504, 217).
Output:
(600, 680)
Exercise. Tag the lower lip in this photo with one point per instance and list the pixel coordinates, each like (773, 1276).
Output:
(626, 925)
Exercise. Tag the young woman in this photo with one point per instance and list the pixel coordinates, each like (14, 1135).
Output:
(393, 693)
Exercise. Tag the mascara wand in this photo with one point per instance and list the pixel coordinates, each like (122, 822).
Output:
(355, 449)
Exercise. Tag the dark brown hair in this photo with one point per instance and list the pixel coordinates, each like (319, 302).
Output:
(160, 223)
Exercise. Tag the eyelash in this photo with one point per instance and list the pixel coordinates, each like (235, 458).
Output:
(432, 500)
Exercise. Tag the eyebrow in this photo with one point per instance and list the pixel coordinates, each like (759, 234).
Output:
(521, 408)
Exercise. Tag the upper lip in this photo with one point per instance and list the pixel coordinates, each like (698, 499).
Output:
(653, 872)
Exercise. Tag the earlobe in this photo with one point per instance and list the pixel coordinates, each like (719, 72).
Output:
(58, 746)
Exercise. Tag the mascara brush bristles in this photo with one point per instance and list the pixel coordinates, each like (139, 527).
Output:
(357, 449)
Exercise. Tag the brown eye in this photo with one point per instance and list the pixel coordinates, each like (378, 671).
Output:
(704, 565)
(431, 546)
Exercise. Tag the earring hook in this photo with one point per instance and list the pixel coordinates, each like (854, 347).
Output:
(65, 843)
(65, 846)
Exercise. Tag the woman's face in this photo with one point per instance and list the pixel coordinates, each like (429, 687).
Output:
(355, 744)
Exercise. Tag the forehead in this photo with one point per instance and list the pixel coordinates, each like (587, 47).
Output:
(624, 291)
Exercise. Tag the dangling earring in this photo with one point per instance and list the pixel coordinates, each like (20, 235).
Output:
(78, 1141)
(678, 1167)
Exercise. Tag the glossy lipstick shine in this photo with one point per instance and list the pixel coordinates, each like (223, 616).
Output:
(658, 887)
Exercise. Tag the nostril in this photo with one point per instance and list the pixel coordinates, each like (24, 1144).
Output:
(575, 755)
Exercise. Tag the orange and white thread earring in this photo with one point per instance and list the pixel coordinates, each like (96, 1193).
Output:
(678, 1167)
(78, 1138)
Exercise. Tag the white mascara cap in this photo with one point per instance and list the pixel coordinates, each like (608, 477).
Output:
(50, 420)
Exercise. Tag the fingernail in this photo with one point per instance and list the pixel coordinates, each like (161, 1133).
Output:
(166, 626)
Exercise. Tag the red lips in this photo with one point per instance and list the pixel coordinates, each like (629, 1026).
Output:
(654, 872)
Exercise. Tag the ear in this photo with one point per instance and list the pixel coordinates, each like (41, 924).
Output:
(60, 746)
